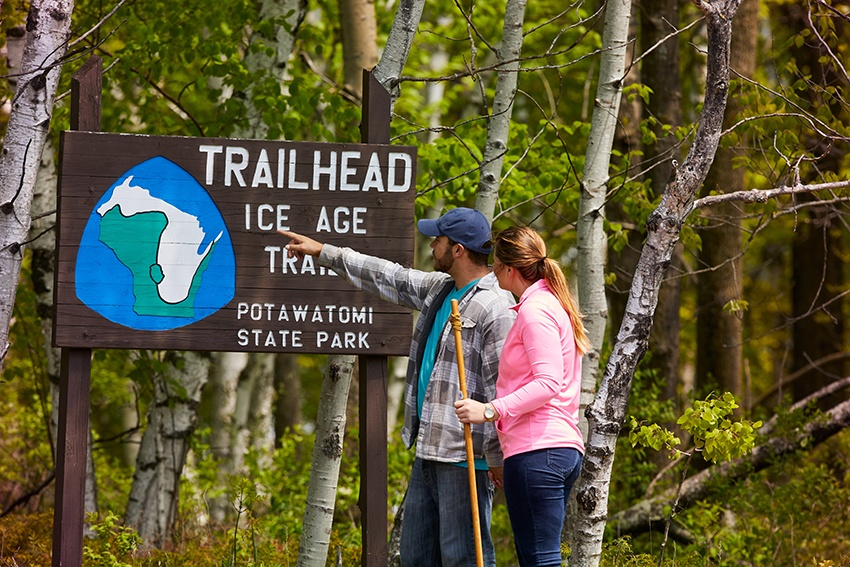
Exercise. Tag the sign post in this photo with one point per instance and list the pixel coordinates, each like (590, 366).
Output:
(72, 434)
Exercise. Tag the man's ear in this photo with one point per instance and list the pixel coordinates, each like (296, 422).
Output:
(458, 252)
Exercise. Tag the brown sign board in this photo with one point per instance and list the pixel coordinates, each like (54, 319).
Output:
(171, 243)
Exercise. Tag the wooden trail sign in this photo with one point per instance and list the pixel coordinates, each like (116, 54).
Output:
(171, 243)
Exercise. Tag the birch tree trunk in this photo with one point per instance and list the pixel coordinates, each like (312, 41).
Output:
(331, 419)
(48, 28)
(390, 67)
(327, 455)
(592, 243)
(223, 380)
(253, 418)
(172, 419)
(607, 412)
(499, 121)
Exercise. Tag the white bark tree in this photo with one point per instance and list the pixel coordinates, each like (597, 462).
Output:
(48, 29)
(224, 375)
(607, 412)
(327, 456)
(499, 121)
(592, 241)
(360, 44)
(389, 69)
(172, 419)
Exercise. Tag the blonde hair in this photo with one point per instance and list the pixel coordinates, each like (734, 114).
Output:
(521, 248)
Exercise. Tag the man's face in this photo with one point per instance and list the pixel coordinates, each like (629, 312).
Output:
(442, 252)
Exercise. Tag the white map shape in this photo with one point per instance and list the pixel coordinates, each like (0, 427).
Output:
(177, 253)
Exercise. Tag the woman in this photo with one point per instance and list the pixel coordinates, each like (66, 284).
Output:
(536, 408)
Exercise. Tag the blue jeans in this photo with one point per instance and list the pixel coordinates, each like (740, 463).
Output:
(436, 530)
(537, 485)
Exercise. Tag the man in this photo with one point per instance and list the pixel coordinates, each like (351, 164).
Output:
(437, 529)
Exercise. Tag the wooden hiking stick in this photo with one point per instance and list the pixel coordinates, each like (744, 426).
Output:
(467, 435)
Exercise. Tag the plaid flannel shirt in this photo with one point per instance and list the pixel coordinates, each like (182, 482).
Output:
(485, 321)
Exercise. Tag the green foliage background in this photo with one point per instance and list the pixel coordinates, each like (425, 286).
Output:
(178, 69)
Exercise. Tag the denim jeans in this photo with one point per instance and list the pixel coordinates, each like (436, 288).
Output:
(436, 530)
(537, 485)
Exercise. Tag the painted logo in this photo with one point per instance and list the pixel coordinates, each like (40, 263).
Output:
(155, 253)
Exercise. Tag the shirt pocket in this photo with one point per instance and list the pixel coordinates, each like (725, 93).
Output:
(468, 339)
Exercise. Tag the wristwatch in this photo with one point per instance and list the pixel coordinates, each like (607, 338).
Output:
(489, 412)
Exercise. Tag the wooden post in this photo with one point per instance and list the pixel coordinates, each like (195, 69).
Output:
(374, 129)
(75, 372)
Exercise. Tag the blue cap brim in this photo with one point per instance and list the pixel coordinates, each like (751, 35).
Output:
(428, 227)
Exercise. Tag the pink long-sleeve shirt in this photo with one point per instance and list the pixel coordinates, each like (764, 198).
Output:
(539, 377)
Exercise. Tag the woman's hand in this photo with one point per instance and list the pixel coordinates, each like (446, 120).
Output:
(470, 411)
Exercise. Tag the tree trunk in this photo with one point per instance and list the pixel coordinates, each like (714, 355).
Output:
(607, 412)
(223, 380)
(719, 330)
(389, 69)
(359, 41)
(660, 71)
(327, 455)
(287, 394)
(171, 423)
(499, 121)
(627, 142)
(48, 28)
(818, 260)
(592, 242)
(253, 417)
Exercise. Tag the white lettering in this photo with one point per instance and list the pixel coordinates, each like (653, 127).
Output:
(327, 169)
(293, 184)
(341, 222)
(373, 175)
(348, 339)
(234, 167)
(319, 170)
(211, 151)
(260, 210)
(407, 169)
(346, 171)
(263, 172)
(266, 339)
(321, 338)
(300, 312)
(281, 160)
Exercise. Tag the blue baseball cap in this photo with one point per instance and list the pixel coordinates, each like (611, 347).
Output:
(462, 225)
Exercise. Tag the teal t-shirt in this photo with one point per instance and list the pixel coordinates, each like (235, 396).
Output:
(430, 355)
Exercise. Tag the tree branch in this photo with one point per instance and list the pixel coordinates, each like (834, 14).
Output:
(640, 517)
(763, 195)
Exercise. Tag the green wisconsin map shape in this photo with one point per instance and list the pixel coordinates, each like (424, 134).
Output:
(135, 241)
